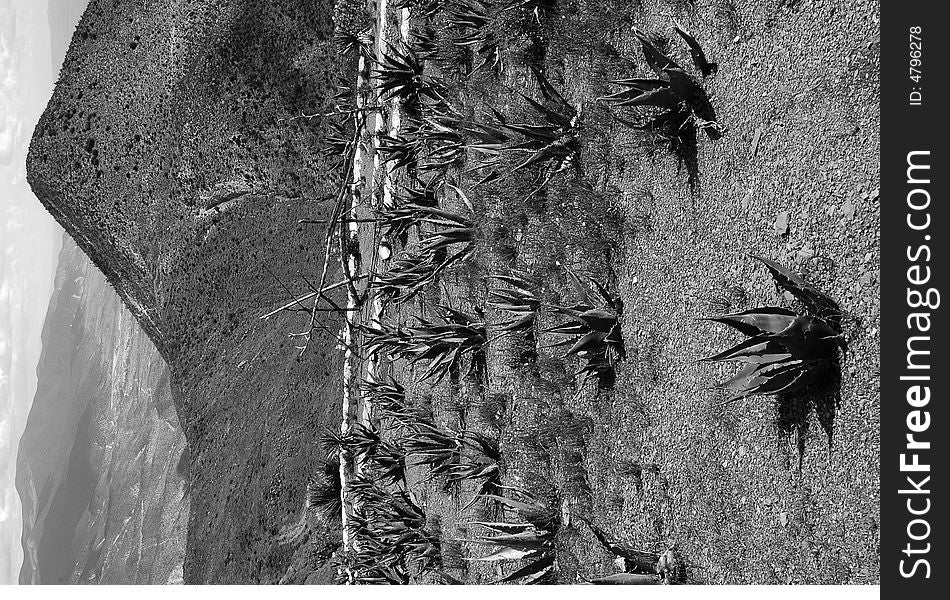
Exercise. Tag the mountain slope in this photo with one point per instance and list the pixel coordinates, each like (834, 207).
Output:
(98, 471)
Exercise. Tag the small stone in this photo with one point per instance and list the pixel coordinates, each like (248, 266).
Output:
(755, 141)
(783, 518)
(780, 226)
(806, 253)
(847, 210)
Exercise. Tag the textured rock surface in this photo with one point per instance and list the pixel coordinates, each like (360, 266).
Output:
(161, 109)
(99, 470)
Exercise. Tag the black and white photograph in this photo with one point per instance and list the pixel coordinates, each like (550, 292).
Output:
(461, 292)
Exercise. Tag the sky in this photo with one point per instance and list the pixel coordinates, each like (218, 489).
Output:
(29, 242)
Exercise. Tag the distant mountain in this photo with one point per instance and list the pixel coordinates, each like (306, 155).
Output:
(173, 152)
(102, 465)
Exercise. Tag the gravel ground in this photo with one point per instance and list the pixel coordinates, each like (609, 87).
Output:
(756, 491)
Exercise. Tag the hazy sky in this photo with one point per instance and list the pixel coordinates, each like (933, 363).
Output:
(29, 243)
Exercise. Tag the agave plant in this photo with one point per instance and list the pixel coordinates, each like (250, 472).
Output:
(521, 299)
(388, 463)
(334, 442)
(385, 394)
(554, 143)
(398, 220)
(442, 342)
(392, 530)
(456, 456)
(401, 74)
(453, 229)
(400, 152)
(425, 195)
(593, 329)
(471, 20)
(349, 42)
(407, 276)
(336, 143)
(784, 351)
(362, 439)
(530, 539)
(422, 42)
(323, 492)
(367, 567)
(480, 464)
(675, 93)
(443, 136)
(390, 399)
(445, 341)
(433, 448)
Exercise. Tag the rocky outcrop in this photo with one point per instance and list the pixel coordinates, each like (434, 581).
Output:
(161, 108)
(102, 464)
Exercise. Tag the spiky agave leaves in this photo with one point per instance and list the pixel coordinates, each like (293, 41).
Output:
(323, 492)
(336, 142)
(385, 394)
(398, 220)
(519, 542)
(422, 41)
(399, 152)
(445, 144)
(388, 463)
(553, 143)
(390, 399)
(531, 540)
(593, 329)
(674, 94)
(451, 229)
(407, 276)
(358, 439)
(362, 439)
(480, 464)
(401, 74)
(521, 300)
(334, 442)
(445, 341)
(455, 456)
(369, 566)
(431, 447)
(392, 534)
(441, 343)
(471, 19)
(784, 352)
(349, 42)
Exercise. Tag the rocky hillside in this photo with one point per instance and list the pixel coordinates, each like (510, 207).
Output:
(102, 466)
(173, 151)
